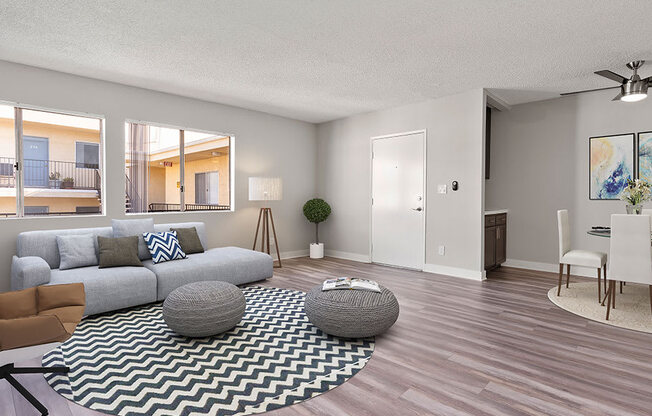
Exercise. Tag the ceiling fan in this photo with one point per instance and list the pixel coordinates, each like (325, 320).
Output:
(632, 89)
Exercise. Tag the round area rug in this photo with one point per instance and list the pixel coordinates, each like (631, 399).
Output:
(130, 363)
(632, 306)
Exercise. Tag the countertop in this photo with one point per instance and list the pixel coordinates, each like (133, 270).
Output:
(496, 211)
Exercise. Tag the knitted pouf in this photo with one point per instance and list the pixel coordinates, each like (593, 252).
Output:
(351, 313)
(204, 308)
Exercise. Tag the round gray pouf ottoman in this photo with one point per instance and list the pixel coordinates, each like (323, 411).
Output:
(351, 313)
(204, 308)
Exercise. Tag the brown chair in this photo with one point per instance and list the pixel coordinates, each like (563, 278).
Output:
(34, 321)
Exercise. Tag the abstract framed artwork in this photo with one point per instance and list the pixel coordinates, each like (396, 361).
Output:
(611, 162)
(645, 155)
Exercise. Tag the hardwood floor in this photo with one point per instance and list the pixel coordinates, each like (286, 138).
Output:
(461, 347)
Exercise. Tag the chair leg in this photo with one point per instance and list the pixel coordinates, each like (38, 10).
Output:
(650, 298)
(567, 275)
(608, 297)
(599, 285)
(621, 287)
(561, 273)
(604, 272)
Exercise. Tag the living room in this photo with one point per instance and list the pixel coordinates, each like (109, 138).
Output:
(181, 184)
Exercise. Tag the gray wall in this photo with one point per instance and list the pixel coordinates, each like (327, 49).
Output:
(455, 139)
(540, 163)
(265, 145)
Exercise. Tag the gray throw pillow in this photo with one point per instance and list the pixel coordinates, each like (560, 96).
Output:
(120, 251)
(76, 251)
(127, 228)
(189, 240)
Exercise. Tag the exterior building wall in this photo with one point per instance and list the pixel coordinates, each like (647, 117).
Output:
(217, 163)
(62, 139)
(8, 204)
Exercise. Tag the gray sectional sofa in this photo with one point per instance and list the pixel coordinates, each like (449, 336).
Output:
(107, 289)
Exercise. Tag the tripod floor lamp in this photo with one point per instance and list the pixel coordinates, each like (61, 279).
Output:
(266, 189)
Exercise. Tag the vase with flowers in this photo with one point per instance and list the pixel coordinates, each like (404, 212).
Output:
(635, 193)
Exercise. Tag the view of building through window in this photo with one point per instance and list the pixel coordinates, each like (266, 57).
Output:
(158, 179)
(60, 163)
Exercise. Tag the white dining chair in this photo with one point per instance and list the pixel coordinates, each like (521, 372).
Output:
(584, 258)
(630, 259)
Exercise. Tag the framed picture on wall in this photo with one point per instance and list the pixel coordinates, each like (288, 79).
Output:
(611, 162)
(645, 155)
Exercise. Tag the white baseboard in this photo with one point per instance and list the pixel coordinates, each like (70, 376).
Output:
(362, 258)
(294, 254)
(455, 272)
(550, 267)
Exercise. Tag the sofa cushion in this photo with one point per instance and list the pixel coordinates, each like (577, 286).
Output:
(59, 296)
(18, 304)
(126, 228)
(111, 288)
(164, 246)
(189, 240)
(77, 251)
(34, 330)
(229, 264)
(119, 251)
(199, 226)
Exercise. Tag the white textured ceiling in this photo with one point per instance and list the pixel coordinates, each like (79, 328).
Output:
(321, 60)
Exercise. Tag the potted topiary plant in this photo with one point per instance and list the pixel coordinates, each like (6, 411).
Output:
(55, 180)
(68, 183)
(316, 210)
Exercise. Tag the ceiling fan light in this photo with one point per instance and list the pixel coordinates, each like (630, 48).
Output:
(632, 98)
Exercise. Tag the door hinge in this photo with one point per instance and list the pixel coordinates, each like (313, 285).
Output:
(181, 187)
(17, 166)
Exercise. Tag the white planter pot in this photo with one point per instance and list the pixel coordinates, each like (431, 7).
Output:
(317, 251)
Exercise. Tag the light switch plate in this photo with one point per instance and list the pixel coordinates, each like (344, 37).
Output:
(442, 250)
(441, 189)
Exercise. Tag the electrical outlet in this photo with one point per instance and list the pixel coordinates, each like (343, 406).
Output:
(441, 189)
(442, 250)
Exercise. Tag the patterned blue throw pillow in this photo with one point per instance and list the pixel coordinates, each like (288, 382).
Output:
(164, 246)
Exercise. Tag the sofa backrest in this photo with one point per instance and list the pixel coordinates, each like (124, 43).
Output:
(43, 243)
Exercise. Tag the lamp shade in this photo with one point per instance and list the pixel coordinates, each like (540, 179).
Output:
(265, 189)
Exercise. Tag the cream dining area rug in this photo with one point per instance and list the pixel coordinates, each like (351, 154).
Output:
(632, 306)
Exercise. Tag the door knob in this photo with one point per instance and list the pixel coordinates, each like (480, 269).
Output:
(417, 209)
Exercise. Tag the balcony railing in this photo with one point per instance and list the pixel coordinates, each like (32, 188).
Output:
(163, 207)
(53, 174)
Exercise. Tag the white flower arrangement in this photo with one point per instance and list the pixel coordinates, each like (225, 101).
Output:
(636, 192)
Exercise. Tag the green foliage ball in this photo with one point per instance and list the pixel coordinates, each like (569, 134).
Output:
(316, 210)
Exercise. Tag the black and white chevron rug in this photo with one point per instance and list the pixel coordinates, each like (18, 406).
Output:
(130, 363)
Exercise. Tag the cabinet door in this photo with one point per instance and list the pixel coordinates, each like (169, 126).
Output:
(489, 247)
(501, 243)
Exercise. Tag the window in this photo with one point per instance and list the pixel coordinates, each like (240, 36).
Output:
(173, 169)
(36, 210)
(87, 155)
(49, 162)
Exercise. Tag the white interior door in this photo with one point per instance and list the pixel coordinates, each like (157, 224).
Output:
(398, 201)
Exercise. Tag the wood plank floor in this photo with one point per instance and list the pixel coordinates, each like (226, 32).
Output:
(461, 347)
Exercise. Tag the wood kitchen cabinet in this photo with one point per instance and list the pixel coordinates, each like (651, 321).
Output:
(495, 240)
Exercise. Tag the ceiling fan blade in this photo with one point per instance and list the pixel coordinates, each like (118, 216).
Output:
(612, 76)
(617, 97)
(580, 92)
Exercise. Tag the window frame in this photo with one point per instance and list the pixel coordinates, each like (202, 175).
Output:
(182, 129)
(19, 159)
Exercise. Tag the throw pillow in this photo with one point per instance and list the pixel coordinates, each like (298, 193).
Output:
(127, 228)
(164, 246)
(189, 240)
(121, 251)
(76, 251)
